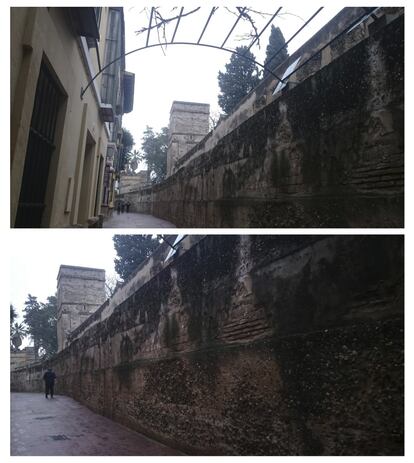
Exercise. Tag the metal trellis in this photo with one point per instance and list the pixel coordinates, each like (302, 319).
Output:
(154, 24)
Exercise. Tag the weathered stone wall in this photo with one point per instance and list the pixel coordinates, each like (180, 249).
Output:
(264, 93)
(261, 345)
(144, 272)
(21, 358)
(133, 182)
(325, 153)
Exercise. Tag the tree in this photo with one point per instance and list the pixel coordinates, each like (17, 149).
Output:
(240, 78)
(13, 316)
(276, 41)
(41, 319)
(111, 285)
(49, 332)
(154, 152)
(131, 251)
(127, 145)
(134, 159)
(31, 318)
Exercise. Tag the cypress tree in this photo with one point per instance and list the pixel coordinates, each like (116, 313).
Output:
(240, 77)
(131, 250)
(276, 41)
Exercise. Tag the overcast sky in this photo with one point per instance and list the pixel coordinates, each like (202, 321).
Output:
(38, 254)
(189, 73)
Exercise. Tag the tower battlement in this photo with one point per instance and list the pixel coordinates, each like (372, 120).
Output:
(189, 124)
(80, 292)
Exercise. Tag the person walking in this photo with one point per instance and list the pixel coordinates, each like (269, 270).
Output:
(49, 379)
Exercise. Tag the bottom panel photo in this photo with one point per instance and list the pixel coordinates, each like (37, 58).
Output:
(207, 345)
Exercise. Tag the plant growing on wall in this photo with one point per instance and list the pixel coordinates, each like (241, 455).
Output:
(239, 79)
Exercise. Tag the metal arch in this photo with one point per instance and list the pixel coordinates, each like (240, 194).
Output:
(152, 19)
(234, 52)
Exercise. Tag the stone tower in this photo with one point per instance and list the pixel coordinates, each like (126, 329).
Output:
(189, 124)
(80, 292)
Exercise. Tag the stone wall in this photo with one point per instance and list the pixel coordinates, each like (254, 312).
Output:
(327, 152)
(133, 182)
(145, 271)
(21, 358)
(264, 93)
(253, 345)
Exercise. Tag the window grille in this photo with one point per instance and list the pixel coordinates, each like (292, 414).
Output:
(40, 149)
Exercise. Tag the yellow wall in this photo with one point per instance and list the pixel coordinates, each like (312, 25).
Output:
(38, 32)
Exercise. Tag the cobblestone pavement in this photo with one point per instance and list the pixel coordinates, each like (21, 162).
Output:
(62, 426)
(135, 220)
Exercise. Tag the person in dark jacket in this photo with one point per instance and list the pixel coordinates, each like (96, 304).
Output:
(49, 379)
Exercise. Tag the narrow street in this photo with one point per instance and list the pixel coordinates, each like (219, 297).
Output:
(135, 220)
(64, 427)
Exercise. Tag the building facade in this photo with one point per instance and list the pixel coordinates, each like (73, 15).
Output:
(64, 143)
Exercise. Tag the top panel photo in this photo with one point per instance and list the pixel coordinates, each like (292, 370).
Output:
(200, 117)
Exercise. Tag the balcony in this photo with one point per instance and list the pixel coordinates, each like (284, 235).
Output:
(106, 112)
(84, 22)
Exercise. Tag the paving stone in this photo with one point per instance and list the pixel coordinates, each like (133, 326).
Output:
(135, 220)
(64, 427)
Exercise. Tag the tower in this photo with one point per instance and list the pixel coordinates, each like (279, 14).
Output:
(189, 124)
(80, 292)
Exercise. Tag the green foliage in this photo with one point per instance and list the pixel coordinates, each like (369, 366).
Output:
(131, 251)
(17, 332)
(128, 143)
(276, 41)
(41, 319)
(13, 316)
(154, 152)
(240, 78)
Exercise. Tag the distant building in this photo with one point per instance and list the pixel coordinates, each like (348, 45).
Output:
(80, 292)
(133, 182)
(21, 358)
(189, 124)
(64, 148)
